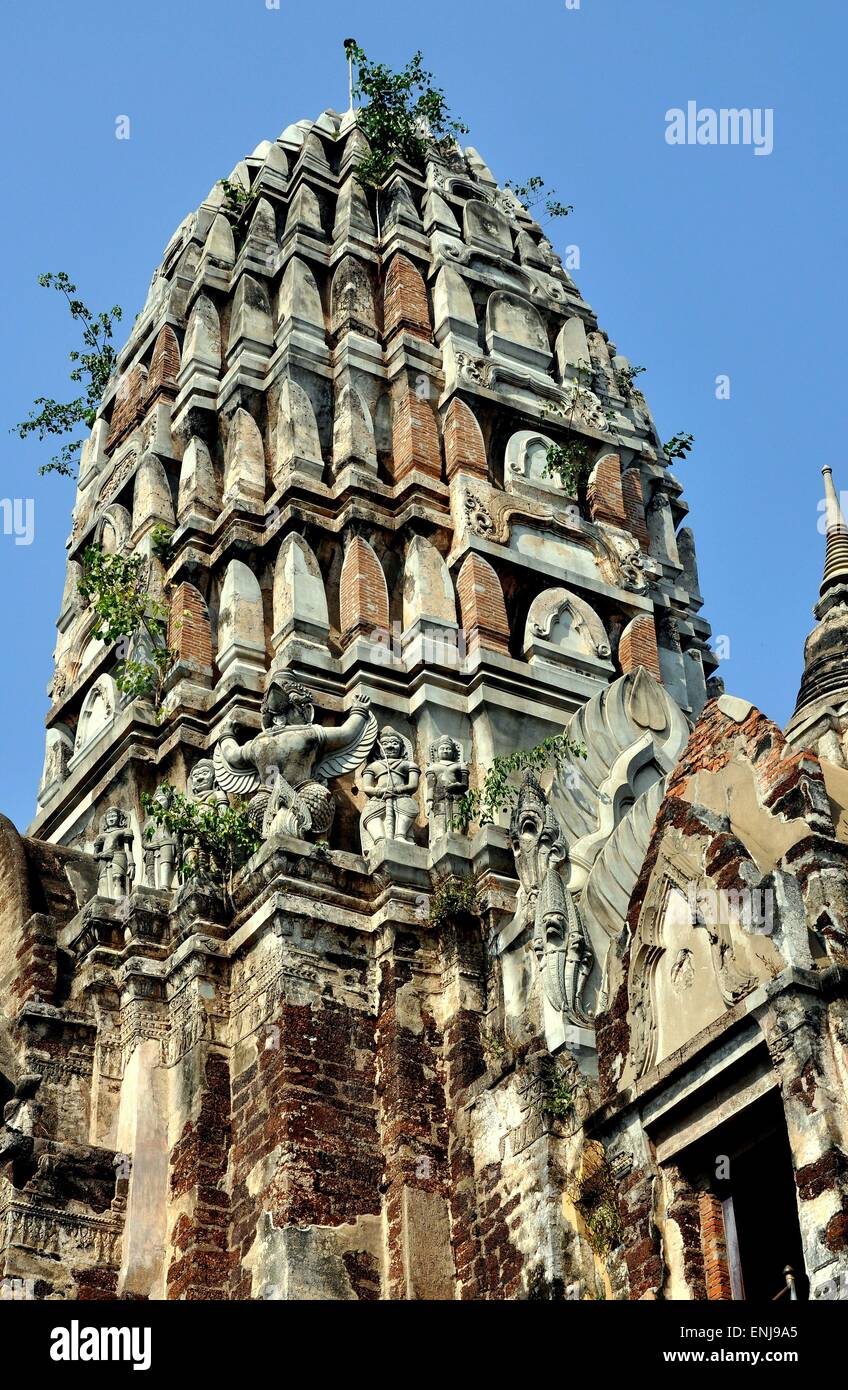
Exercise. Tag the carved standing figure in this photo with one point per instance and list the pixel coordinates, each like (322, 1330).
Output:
(204, 791)
(113, 850)
(447, 782)
(160, 848)
(283, 759)
(391, 782)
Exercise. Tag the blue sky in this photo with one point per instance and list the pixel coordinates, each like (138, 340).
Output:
(699, 261)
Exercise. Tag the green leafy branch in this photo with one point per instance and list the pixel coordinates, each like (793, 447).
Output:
(453, 897)
(625, 378)
(572, 464)
(93, 365)
(499, 792)
(595, 1198)
(535, 193)
(213, 842)
(557, 1098)
(238, 202)
(115, 588)
(401, 113)
(679, 446)
(572, 461)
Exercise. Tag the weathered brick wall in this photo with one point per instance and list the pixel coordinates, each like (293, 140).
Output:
(200, 1258)
(306, 1151)
(412, 1116)
(716, 1275)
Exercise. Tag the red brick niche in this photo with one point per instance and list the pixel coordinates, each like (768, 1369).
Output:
(405, 301)
(189, 630)
(481, 605)
(604, 491)
(164, 366)
(129, 404)
(638, 646)
(465, 450)
(363, 593)
(415, 433)
(634, 506)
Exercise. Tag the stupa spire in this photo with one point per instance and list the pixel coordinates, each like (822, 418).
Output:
(823, 694)
(836, 550)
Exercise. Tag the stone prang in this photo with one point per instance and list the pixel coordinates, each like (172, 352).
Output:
(338, 1033)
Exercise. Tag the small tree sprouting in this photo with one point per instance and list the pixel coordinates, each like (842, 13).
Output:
(116, 589)
(536, 194)
(499, 792)
(213, 842)
(679, 446)
(92, 366)
(400, 113)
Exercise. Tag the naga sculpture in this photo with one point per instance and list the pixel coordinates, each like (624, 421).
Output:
(560, 943)
(282, 762)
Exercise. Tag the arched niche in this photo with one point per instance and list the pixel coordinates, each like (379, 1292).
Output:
(514, 330)
(525, 464)
(99, 709)
(563, 629)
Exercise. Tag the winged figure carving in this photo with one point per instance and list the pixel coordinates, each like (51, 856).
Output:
(283, 767)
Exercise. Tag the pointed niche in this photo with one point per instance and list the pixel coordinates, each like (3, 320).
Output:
(300, 601)
(298, 442)
(352, 300)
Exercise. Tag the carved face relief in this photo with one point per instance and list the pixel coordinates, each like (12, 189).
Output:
(202, 777)
(285, 706)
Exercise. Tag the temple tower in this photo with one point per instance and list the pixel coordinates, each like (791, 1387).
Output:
(341, 407)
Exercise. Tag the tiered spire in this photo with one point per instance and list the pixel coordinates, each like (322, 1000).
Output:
(824, 685)
(836, 551)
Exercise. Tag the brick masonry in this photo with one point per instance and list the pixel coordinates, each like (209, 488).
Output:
(189, 630)
(415, 433)
(364, 596)
(638, 646)
(465, 450)
(405, 300)
(481, 604)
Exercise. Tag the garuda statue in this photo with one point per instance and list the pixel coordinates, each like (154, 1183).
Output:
(288, 765)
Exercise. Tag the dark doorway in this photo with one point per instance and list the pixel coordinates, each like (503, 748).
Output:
(762, 1193)
(747, 1163)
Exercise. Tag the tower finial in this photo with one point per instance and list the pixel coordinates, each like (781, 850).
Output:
(824, 685)
(349, 46)
(836, 530)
